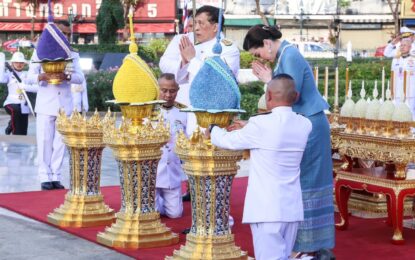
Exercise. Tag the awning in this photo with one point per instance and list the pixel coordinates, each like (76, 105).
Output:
(358, 18)
(90, 27)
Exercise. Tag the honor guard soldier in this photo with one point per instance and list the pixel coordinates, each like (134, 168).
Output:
(16, 103)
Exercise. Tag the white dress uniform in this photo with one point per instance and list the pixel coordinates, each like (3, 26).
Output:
(273, 201)
(169, 171)
(80, 97)
(171, 60)
(399, 65)
(15, 95)
(50, 99)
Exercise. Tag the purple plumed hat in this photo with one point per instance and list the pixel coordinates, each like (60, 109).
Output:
(52, 45)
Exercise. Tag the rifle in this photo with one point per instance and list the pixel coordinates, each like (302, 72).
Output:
(10, 68)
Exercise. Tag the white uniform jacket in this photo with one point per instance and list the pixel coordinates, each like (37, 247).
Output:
(169, 171)
(399, 65)
(80, 97)
(277, 141)
(15, 95)
(50, 98)
(171, 60)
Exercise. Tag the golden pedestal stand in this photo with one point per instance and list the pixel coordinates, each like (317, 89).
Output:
(84, 205)
(136, 148)
(211, 171)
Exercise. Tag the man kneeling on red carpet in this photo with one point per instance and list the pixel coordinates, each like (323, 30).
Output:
(169, 171)
(276, 140)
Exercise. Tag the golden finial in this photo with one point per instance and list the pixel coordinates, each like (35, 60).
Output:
(133, 48)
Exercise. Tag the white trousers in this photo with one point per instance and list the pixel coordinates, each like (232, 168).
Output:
(273, 240)
(50, 148)
(169, 202)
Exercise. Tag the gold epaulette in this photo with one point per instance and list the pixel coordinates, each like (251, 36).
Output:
(179, 105)
(227, 42)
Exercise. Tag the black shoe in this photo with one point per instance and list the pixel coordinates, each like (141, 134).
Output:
(186, 231)
(57, 185)
(46, 185)
(9, 128)
(186, 196)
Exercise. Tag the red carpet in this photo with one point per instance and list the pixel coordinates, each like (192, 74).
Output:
(365, 239)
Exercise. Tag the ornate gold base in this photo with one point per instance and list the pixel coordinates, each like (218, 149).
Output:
(137, 231)
(216, 247)
(374, 205)
(82, 211)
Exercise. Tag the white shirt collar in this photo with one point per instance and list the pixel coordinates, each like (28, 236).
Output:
(282, 109)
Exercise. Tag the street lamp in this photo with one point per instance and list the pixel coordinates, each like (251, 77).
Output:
(302, 17)
(336, 28)
(70, 18)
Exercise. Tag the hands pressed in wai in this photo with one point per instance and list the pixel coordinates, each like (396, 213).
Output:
(262, 71)
(187, 50)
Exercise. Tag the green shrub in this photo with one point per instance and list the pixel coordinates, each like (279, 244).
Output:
(145, 52)
(249, 103)
(158, 46)
(246, 60)
(100, 90)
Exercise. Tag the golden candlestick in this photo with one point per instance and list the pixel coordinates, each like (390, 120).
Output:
(136, 148)
(326, 83)
(84, 205)
(211, 171)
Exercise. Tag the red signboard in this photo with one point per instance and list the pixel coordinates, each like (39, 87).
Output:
(15, 15)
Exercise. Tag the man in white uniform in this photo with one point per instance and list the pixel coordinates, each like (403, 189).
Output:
(183, 58)
(404, 62)
(391, 50)
(169, 171)
(50, 99)
(277, 139)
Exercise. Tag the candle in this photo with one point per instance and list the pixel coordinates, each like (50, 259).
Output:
(326, 83)
(347, 79)
(336, 88)
(404, 85)
(316, 75)
(375, 89)
(349, 89)
(392, 83)
(383, 83)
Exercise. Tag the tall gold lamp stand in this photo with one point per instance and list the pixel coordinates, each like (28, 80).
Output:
(211, 171)
(84, 205)
(136, 147)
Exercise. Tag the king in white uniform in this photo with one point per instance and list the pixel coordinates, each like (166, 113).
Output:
(273, 202)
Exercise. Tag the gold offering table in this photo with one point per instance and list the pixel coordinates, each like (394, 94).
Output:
(211, 171)
(390, 145)
(84, 205)
(137, 150)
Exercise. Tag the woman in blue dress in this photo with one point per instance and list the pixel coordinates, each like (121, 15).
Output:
(317, 230)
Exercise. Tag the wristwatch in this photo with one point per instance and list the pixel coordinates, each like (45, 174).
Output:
(68, 77)
(211, 126)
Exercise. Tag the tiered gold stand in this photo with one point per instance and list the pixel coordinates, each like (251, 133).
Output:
(211, 171)
(84, 205)
(136, 148)
(366, 139)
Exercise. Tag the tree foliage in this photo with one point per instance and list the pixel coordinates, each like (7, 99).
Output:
(110, 19)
